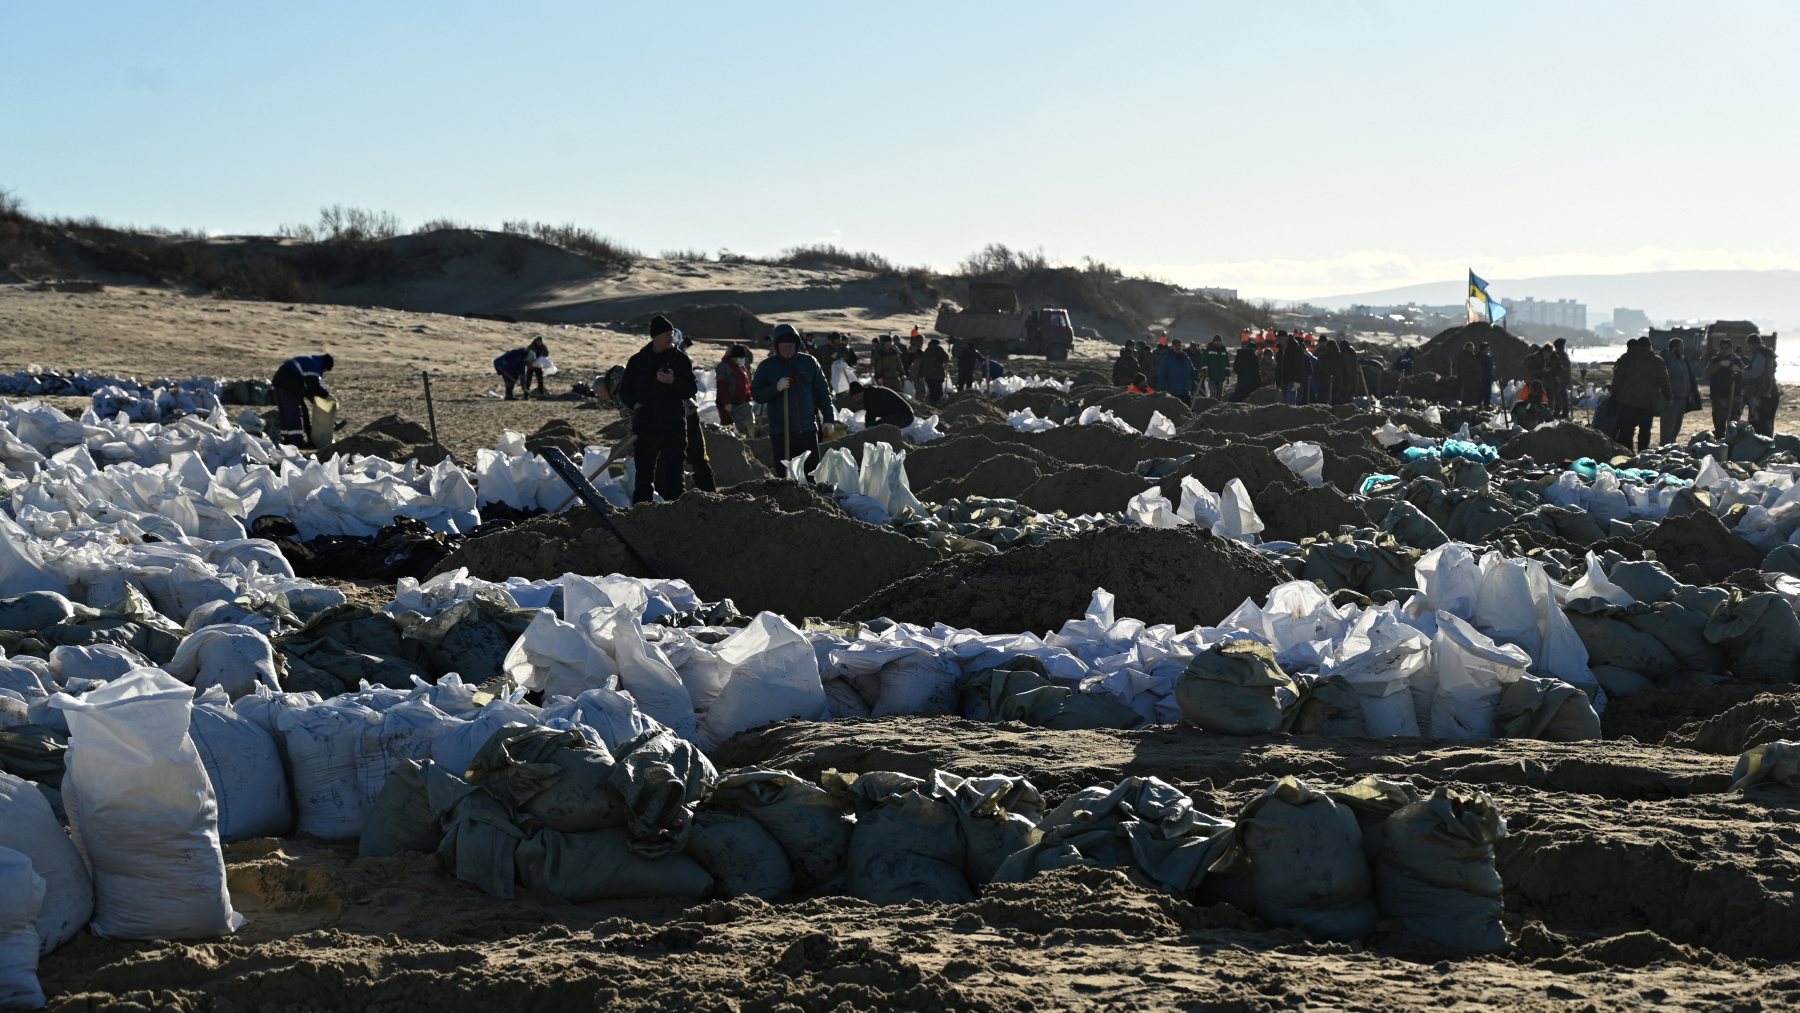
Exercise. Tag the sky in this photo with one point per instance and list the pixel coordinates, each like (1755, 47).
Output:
(1284, 149)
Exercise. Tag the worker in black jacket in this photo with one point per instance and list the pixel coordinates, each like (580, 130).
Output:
(299, 379)
(657, 389)
(879, 405)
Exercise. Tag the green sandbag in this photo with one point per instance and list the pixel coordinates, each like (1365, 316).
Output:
(906, 845)
(1548, 709)
(471, 637)
(131, 622)
(34, 752)
(1645, 579)
(1475, 518)
(480, 839)
(401, 818)
(1306, 863)
(34, 610)
(811, 825)
(740, 856)
(661, 778)
(1434, 870)
(1236, 688)
(1006, 694)
(603, 865)
(999, 817)
(1761, 637)
(1330, 706)
(1406, 522)
(557, 776)
(1772, 762)
(1612, 641)
(1142, 824)
(1680, 629)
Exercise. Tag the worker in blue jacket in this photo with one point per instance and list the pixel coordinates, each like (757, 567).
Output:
(512, 366)
(792, 386)
(298, 379)
(1175, 374)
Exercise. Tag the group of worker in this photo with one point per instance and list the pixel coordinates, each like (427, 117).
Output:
(1308, 368)
(1665, 387)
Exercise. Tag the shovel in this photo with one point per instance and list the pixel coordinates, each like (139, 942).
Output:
(578, 483)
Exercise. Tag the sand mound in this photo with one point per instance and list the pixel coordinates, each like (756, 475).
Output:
(1102, 445)
(1655, 714)
(561, 434)
(1047, 404)
(1003, 476)
(1701, 539)
(392, 437)
(1084, 489)
(1257, 466)
(1239, 417)
(1137, 408)
(958, 456)
(964, 412)
(1439, 354)
(1291, 510)
(746, 548)
(1763, 718)
(1156, 573)
(707, 322)
(1562, 443)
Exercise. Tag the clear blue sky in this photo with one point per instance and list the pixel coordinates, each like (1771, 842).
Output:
(1289, 149)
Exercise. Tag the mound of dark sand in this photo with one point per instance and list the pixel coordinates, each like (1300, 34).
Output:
(1700, 539)
(1292, 510)
(1765, 717)
(964, 412)
(1102, 445)
(1257, 466)
(1045, 403)
(1002, 476)
(800, 563)
(1083, 489)
(391, 437)
(1654, 715)
(1160, 575)
(1562, 443)
(1439, 354)
(1137, 408)
(708, 322)
(561, 434)
(958, 456)
(1255, 419)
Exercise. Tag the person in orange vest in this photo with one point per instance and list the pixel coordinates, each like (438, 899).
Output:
(1139, 385)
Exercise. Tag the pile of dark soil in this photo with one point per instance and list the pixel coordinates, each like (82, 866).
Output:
(1292, 510)
(1137, 408)
(1045, 403)
(1254, 419)
(1765, 717)
(1102, 445)
(391, 437)
(1700, 539)
(958, 456)
(561, 434)
(1002, 476)
(747, 548)
(1084, 489)
(1160, 575)
(1439, 354)
(1655, 715)
(964, 412)
(1562, 443)
(1257, 466)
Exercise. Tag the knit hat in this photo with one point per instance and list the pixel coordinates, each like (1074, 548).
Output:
(659, 324)
(785, 333)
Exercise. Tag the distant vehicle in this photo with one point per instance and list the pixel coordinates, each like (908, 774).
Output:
(999, 326)
(1738, 331)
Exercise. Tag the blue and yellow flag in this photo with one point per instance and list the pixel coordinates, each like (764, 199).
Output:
(1481, 305)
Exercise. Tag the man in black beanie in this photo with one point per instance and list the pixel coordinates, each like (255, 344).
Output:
(657, 388)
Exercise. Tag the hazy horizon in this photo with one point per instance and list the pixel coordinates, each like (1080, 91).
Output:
(1287, 152)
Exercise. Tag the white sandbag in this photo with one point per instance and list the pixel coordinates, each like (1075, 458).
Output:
(1152, 509)
(322, 746)
(22, 566)
(839, 470)
(908, 679)
(21, 899)
(557, 659)
(454, 747)
(1595, 584)
(406, 732)
(142, 811)
(1383, 656)
(234, 658)
(609, 713)
(1199, 505)
(882, 478)
(1237, 515)
(774, 676)
(644, 671)
(1471, 670)
(28, 825)
(1159, 426)
(244, 769)
(1306, 460)
(1516, 605)
(1450, 580)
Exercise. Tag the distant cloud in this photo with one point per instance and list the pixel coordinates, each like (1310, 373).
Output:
(1366, 270)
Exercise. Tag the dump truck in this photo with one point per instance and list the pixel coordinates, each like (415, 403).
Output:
(999, 326)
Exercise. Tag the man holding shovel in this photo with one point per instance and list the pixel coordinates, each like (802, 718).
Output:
(792, 386)
(658, 383)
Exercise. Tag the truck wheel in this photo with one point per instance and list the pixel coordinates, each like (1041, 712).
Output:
(1057, 354)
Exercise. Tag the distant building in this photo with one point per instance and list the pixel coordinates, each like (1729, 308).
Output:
(1630, 323)
(1547, 313)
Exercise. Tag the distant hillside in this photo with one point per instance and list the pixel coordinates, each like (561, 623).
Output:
(1771, 298)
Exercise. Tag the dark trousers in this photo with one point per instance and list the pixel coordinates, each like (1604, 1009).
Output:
(659, 457)
(697, 456)
(1559, 399)
(934, 392)
(1634, 422)
(1721, 412)
(511, 380)
(786, 446)
(295, 419)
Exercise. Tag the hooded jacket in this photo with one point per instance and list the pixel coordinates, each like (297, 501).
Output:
(796, 409)
(1639, 377)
